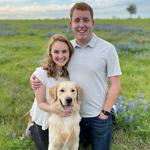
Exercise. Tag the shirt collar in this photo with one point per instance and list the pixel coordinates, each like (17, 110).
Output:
(91, 43)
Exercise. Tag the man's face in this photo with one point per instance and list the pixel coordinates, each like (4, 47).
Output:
(82, 26)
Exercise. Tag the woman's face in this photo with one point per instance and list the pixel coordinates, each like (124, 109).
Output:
(60, 54)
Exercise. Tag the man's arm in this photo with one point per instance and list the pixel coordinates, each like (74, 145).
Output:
(35, 82)
(112, 94)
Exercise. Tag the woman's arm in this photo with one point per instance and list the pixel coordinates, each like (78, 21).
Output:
(40, 95)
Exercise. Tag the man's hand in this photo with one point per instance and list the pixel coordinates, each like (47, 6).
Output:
(102, 116)
(35, 82)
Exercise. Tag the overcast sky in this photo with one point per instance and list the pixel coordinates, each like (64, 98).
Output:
(51, 9)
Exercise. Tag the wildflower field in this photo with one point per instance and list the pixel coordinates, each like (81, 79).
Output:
(23, 44)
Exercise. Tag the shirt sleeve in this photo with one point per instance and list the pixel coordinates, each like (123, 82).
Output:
(41, 74)
(113, 65)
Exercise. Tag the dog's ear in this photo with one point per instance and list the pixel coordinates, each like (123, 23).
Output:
(53, 93)
(79, 92)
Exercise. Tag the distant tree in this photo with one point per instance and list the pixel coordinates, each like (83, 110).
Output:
(132, 9)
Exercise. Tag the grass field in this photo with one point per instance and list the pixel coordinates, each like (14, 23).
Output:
(23, 44)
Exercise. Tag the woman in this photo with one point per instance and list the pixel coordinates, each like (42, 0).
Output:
(55, 70)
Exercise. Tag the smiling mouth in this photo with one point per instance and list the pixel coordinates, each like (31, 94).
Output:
(81, 32)
(61, 61)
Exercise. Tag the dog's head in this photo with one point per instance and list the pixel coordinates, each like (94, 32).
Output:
(66, 93)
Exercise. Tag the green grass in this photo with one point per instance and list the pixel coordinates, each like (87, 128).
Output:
(22, 49)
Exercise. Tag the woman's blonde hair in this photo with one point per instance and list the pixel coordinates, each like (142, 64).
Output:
(50, 66)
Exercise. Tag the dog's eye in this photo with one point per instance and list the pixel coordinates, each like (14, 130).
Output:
(62, 90)
(73, 90)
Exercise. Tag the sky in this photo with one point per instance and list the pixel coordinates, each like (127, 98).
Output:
(56, 9)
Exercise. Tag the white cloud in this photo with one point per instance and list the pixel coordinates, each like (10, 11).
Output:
(102, 8)
(101, 3)
(33, 10)
(13, 1)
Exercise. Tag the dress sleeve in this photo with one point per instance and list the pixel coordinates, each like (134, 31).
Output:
(41, 74)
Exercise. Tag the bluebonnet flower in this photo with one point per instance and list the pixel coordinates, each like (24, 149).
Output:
(129, 119)
(23, 44)
(51, 26)
(131, 105)
(125, 109)
(7, 33)
(118, 107)
(120, 98)
(49, 34)
(145, 107)
(139, 40)
(14, 134)
(117, 28)
(140, 99)
(119, 103)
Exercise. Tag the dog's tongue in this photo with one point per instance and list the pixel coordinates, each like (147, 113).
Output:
(68, 108)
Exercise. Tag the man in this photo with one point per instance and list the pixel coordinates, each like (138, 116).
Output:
(93, 63)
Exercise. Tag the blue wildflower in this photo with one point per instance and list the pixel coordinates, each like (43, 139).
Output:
(14, 134)
(129, 119)
(145, 107)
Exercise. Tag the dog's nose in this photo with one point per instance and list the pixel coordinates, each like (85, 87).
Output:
(68, 100)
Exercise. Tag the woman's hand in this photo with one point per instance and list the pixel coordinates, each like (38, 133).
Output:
(57, 108)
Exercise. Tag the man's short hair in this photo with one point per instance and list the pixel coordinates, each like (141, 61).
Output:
(81, 6)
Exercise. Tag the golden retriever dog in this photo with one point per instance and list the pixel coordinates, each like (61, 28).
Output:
(64, 131)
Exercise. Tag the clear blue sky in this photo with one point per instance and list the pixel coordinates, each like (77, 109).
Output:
(41, 9)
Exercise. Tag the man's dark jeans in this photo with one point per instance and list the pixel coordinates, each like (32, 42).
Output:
(96, 132)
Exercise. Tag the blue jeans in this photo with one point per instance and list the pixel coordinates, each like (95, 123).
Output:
(96, 132)
(39, 136)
